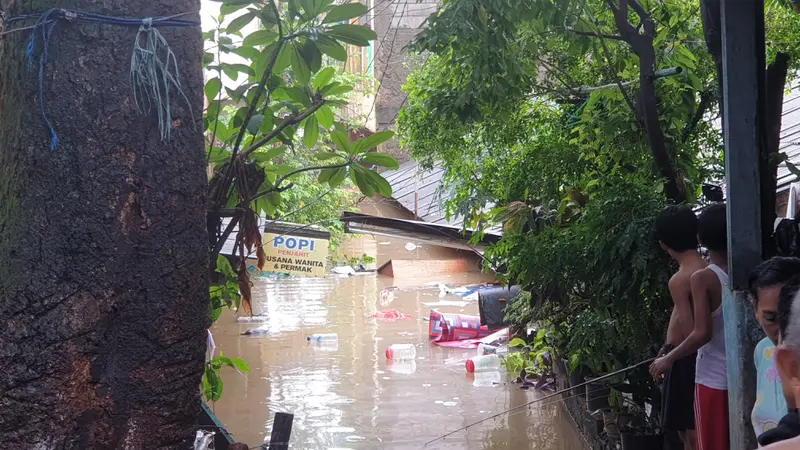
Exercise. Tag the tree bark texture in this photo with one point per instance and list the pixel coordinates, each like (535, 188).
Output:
(103, 244)
(647, 105)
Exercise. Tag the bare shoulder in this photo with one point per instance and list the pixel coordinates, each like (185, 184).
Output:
(680, 281)
(704, 277)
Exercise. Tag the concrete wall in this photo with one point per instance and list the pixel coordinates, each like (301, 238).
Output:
(396, 23)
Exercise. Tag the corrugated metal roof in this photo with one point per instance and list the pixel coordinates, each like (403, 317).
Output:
(790, 135)
(411, 179)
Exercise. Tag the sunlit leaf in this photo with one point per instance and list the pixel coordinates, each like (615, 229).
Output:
(240, 22)
(345, 12)
(323, 156)
(380, 159)
(323, 77)
(352, 34)
(240, 365)
(250, 53)
(310, 132)
(372, 141)
(212, 89)
(325, 117)
(342, 140)
(336, 90)
(260, 37)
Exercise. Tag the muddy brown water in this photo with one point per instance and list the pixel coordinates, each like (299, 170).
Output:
(347, 395)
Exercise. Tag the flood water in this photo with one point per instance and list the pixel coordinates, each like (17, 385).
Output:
(347, 396)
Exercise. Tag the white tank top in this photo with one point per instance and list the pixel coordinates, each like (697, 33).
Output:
(712, 369)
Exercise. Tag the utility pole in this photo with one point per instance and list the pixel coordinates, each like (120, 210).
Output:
(744, 65)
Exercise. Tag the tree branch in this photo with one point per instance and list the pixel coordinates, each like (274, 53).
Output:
(688, 130)
(278, 188)
(617, 80)
(598, 35)
(287, 122)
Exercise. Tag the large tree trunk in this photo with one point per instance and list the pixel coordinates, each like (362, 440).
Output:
(103, 246)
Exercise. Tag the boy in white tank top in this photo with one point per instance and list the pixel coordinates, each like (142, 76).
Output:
(709, 286)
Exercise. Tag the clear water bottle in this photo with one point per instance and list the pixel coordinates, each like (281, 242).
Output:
(402, 367)
(399, 352)
(486, 349)
(328, 337)
(487, 379)
(483, 363)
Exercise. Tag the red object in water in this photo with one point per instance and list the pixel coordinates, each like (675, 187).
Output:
(470, 366)
(389, 353)
(390, 315)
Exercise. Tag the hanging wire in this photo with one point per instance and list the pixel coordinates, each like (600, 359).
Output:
(154, 67)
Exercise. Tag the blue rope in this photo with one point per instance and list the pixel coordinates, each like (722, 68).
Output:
(149, 71)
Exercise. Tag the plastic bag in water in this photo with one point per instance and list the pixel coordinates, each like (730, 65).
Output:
(204, 440)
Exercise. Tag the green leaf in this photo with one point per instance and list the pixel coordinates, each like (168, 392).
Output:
(360, 180)
(338, 176)
(240, 22)
(378, 183)
(325, 117)
(240, 365)
(268, 155)
(793, 168)
(255, 124)
(273, 199)
(352, 34)
(342, 140)
(372, 141)
(218, 156)
(260, 37)
(268, 123)
(323, 78)
(208, 58)
(313, 8)
(331, 48)
(302, 71)
(224, 266)
(212, 385)
(381, 159)
(214, 314)
(312, 56)
(324, 156)
(325, 175)
(517, 342)
(212, 89)
(310, 132)
(335, 90)
(253, 54)
(284, 58)
(345, 12)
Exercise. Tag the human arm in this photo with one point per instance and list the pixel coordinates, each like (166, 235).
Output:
(702, 283)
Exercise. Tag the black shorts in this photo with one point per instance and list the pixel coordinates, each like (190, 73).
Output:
(677, 401)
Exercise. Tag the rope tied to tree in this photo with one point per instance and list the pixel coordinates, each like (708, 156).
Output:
(154, 67)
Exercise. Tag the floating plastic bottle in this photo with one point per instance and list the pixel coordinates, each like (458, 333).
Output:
(487, 379)
(486, 349)
(328, 337)
(399, 352)
(402, 367)
(483, 363)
